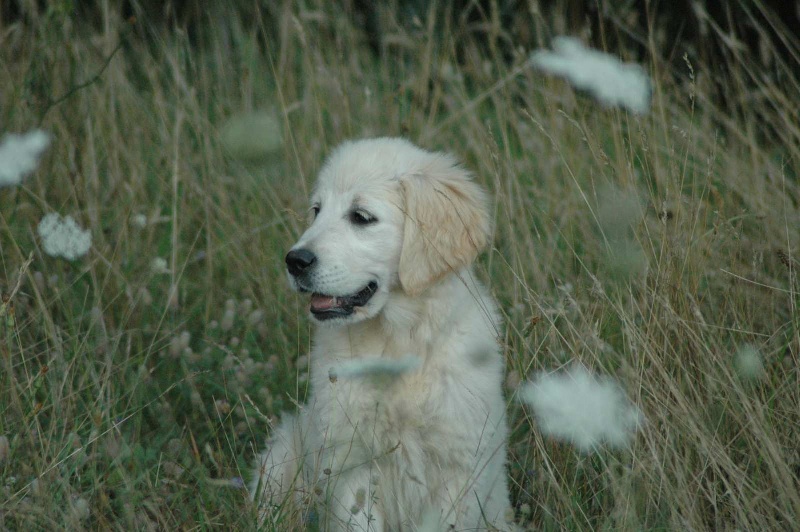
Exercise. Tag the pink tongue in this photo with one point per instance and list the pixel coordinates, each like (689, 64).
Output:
(319, 302)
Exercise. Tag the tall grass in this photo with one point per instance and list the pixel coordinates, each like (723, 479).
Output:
(650, 248)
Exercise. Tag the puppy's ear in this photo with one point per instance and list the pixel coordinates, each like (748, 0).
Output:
(446, 224)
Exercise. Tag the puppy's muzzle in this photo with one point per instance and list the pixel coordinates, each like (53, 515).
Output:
(299, 261)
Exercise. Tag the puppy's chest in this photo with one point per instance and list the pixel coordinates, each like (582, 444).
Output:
(385, 406)
(385, 409)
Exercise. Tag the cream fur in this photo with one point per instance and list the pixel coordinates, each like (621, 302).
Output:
(389, 452)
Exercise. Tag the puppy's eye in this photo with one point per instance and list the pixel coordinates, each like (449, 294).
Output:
(361, 217)
(315, 210)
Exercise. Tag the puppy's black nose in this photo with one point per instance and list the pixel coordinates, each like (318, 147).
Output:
(299, 260)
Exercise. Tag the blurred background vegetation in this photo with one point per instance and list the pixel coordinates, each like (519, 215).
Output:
(138, 382)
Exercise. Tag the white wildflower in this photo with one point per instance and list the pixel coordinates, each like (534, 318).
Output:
(581, 408)
(228, 319)
(609, 80)
(252, 137)
(159, 265)
(63, 237)
(255, 317)
(618, 210)
(185, 338)
(145, 296)
(375, 367)
(432, 521)
(626, 259)
(748, 362)
(80, 509)
(139, 220)
(19, 155)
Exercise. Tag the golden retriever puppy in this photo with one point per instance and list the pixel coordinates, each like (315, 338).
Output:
(406, 423)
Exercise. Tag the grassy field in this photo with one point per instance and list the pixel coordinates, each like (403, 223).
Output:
(661, 250)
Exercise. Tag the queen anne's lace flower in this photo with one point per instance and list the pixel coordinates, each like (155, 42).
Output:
(139, 220)
(582, 409)
(605, 77)
(19, 155)
(253, 136)
(748, 362)
(159, 265)
(63, 237)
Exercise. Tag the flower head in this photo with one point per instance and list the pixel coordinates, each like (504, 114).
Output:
(581, 408)
(139, 220)
(609, 80)
(63, 237)
(159, 265)
(748, 363)
(252, 137)
(19, 155)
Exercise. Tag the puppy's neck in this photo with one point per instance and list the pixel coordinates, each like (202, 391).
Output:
(430, 312)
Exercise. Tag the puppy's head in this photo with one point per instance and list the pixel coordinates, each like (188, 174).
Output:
(386, 216)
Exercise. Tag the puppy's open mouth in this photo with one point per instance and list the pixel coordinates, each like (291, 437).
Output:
(325, 307)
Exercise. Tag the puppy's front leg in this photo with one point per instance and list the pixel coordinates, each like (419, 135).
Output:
(353, 502)
(278, 476)
(458, 505)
